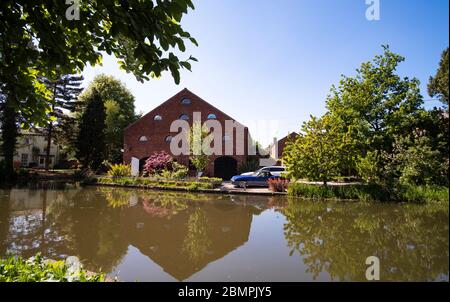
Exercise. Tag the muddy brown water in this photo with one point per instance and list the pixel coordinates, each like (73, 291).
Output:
(137, 235)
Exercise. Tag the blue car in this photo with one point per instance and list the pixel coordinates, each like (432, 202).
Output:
(258, 179)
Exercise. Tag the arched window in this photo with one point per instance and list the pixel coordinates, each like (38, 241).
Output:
(168, 138)
(157, 117)
(211, 116)
(184, 117)
(185, 101)
(143, 139)
(226, 137)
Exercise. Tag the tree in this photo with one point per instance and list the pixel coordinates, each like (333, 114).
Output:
(314, 154)
(119, 106)
(38, 40)
(438, 85)
(91, 136)
(372, 108)
(198, 157)
(65, 91)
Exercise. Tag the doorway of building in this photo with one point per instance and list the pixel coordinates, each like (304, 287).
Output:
(225, 167)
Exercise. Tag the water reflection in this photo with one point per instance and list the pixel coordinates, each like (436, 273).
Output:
(185, 233)
(411, 241)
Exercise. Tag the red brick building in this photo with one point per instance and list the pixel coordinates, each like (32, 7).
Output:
(151, 133)
(282, 144)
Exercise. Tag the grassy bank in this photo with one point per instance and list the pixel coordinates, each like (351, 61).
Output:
(189, 185)
(371, 192)
(36, 269)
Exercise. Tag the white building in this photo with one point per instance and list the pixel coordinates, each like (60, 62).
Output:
(31, 150)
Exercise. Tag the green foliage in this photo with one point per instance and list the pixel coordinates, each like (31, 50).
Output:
(119, 111)
(64, 100)
(371, 192)
(419, 164)
(177, 171)
(198, 158)
(314, 154)
(367, 166)
(251, 164)
(211, 179)
(119, 170)
(91, 136)
(334, 238)
(197, 242)
(438, 85)
(37, 41)
(157, 183)
(36, 269)
(371, 109)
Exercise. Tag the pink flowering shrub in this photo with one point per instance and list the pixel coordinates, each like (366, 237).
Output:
(157, 162)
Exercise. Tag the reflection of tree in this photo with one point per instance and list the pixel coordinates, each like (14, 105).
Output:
(4, 220)
(163, 205)
(411, 241)
(117, 198)
(73, 222)
(197, 242)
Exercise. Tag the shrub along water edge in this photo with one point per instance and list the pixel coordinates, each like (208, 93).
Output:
(36, 269)
(371, 192)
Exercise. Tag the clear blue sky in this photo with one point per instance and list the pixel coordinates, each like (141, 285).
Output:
(276, 60)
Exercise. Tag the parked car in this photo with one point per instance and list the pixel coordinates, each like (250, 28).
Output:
(254, 180)
(274, 170)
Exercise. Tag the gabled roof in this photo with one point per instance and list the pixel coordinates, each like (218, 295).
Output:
(291, 135)
(183, 93)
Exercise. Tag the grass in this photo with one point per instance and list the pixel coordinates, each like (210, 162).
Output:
(141, 181)
(36, 269)
(371, 192)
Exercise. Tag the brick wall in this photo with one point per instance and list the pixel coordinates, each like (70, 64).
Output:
(156, 131)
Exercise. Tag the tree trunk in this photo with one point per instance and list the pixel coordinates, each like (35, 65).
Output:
(49, 143)
(9, 137)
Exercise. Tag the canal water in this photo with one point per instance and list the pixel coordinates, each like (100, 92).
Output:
(139, 235)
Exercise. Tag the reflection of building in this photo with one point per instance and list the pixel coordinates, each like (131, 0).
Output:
(191, 239)
(182, 233)
(32, 148)
(152, 133)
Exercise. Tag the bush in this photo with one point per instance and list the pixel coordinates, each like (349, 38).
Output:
(36, 269)
(189, 185)
(157, 162)
(251, 164)
(371, 192)
(367, 167)
(176, 171)
(119, 170)
(278, 184)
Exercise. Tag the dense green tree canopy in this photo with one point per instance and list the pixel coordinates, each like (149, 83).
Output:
(375, 128)
(438, 85)
(37, 37)
(91, 135)
(314, 154)
(38, 40)
(119, 106)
